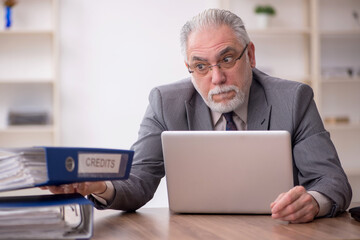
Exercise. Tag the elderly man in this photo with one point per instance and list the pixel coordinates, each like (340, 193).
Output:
(221, 60)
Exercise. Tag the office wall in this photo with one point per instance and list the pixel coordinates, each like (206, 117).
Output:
(111, 54)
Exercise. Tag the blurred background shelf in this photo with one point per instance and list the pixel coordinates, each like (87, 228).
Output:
(27, 81)
(25, 32)
(279, 31)
(28, 129)
(29, 73)
(341, 33)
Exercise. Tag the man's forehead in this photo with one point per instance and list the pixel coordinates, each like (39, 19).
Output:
(215, 41)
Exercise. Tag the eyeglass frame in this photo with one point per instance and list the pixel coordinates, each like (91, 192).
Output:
(219, 64)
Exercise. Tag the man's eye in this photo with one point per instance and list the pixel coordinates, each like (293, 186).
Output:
(227, 59)
(200, 67)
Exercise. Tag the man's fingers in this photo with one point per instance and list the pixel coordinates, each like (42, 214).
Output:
(81, 186)
(84, 188)
(69, 188)
(308, 217)
(287, 198)
(56, 189)
(303, 209)
(66, 188)
(296, 209)
(276, 200)
(303, 215)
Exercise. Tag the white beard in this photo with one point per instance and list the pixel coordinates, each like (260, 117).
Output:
(231, 104)
(239, 99)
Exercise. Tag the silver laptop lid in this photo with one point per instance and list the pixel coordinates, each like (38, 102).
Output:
(226, 171)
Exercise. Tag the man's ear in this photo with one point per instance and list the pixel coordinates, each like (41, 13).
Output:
(251, 54)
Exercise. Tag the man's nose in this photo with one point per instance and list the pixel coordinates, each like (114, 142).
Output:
(217, 75)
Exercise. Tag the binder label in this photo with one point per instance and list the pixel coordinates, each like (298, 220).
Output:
(99, 163)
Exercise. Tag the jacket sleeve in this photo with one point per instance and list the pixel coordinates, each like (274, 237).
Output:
(317, 162)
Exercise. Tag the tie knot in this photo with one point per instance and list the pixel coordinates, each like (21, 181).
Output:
(228, 116)
(230, 124)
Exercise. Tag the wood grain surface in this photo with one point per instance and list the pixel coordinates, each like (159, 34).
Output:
(160, 223)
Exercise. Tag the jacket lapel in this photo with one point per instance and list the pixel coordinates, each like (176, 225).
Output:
(198, 114)
(258, 110)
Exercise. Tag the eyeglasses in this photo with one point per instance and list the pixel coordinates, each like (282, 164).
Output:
(201, 69)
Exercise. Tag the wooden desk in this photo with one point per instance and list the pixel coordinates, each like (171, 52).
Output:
(159, 223)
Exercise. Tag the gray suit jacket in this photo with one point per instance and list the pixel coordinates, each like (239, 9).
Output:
(274, 104)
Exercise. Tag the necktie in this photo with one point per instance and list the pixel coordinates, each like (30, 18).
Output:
(230, 124)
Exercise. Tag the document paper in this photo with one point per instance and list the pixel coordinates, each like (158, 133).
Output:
(18, 168)
(38, 222)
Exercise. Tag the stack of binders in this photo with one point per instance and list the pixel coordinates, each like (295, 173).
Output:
(61, 216)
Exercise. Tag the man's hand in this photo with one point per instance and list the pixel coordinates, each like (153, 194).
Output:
(295, 206)
(84, 188)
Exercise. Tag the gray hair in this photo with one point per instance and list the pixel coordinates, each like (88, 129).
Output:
(213, 17)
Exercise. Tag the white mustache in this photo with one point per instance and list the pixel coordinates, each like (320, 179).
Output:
(222, 89)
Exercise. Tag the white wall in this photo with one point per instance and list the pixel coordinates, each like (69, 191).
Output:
(112, 52)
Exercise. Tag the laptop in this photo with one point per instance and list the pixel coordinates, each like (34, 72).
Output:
(228, 172)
